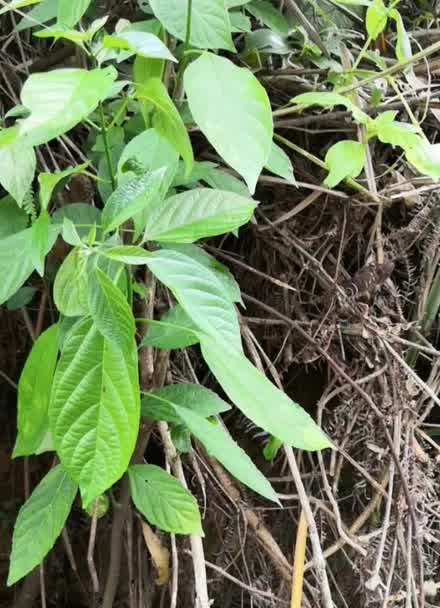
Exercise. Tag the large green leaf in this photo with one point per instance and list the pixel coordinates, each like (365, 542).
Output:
(198, 213)
(83, 217)
(259, 399)
(17, 168)
(163, 500)
(221, 445)
(217, 178)
(58, 100)
(40, 521)
(227, 103)
(148, 151)
(16, 261)
(94, 409)
(269, 16)
(69, 13)
(110, 310)
(210, 27)
(200, 293)
(167, 119)
(222, 272)
(159, 404)
(133, 196)
(70, 287)
(34, 389)
(174, 330)
(45, 11)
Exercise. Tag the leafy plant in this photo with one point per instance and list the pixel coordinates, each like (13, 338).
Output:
(84, 400)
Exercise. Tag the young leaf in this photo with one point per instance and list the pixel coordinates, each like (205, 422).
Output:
(94, 409)
(49, 181)
(69, 13)
(403, 46)
(16, 261)
(376, 19)
(210, 27)
(134, 195)
(269, 16)
(40, 521)
(174, 330)
(222, 272)
(71, 285)
(60, 99)
(344, 159)
(221, 446)
(280, 164)
(159, 404)
(167, 119)
(39, 241)
(426, 159)
(141, 43)
(225, 101)
(149, 151)
(63, 32)
(200, 293)
(397, 133)
(127, 254)
(328, 99)
(251, 392)
(190, 216)
(34, 389)
(163, 500)
(110, 311)
(17, 168)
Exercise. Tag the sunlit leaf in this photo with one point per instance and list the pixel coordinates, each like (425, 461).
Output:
(344, 159)
(17, 168)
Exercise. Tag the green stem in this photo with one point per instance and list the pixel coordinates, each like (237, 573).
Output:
(362, 52)
(108, 155)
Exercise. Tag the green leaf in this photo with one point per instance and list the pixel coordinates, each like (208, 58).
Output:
(70, 234)
(16, 261)
(71, 285)
(195, 214)
(216, 178)
(21, 298)
(17, 168)
(200, 293)
(167, 119)
(49, 181)
(39, 241)
(221, 446)
(225, 101)
(59, 99)
(269, 16)
(83, 217)
(234, 3)
(110, 311)
(17, 4)
(280, 164)
(222, 272)
(163, 500)
(344, 159)
(251, 392)
(376, 19)
(403, 46)
(127, 254)
(45, 11)
(34, 389)
(174, 330)
(354, 2)
(426, 159)
(134, 195)
(328, 99)
(159, 404)
(396, 133)
(239, 22)
(94, 409)
(62, 32)
(69, 13)
(149, 151)
(210, 27)
(40, 521)
(141, 43)
(12, 218)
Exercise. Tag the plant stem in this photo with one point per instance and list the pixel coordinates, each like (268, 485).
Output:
(362, 52)
(108, 155)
